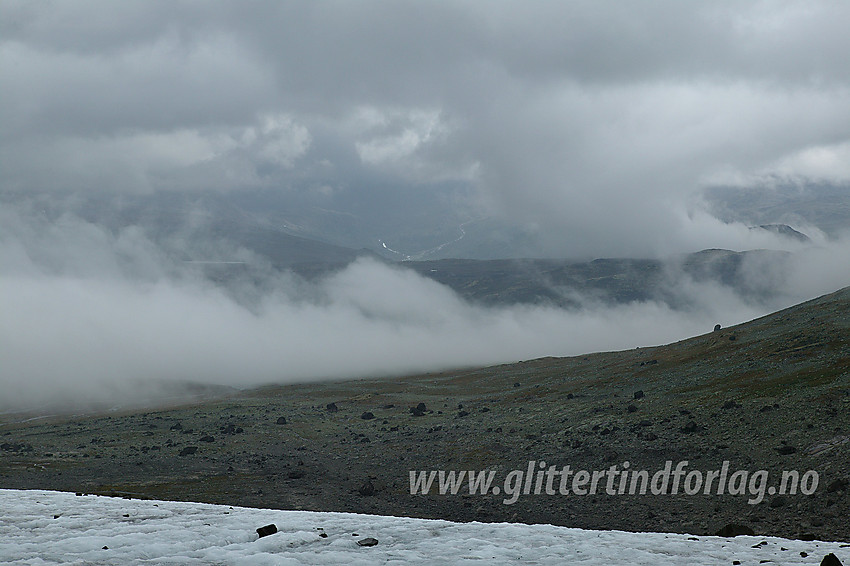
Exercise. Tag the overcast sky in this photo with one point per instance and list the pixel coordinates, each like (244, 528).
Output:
(594, 122)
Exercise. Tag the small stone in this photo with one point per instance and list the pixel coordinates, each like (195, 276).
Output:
(267, 530)
(368, 415)
(281, 420)
(367, 542)
(332, 408)
(188, 451)
(367, 489)
(717, 327)
(639, 394)
(207, 438)
(785, 449)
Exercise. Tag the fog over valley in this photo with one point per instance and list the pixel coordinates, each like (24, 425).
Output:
(240, 194)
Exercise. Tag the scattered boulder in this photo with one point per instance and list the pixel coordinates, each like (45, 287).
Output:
(367, 542)
(188, 451)
(734, 530)
(786, 449)
(332, 408)
(267, 530)
(295, 474)
(631, 408)
(730, 405)
(281, 420)
(230, 428)
(15, 447)
(367, 489)
(462, 414)
(830, 560)
(717, 328)
(418, 410)
(639, 394)
(368, 415)
(689, 428)
(207, 438)
(732, 337)
(177, 426)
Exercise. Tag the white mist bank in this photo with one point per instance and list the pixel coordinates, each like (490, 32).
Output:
(88, 316)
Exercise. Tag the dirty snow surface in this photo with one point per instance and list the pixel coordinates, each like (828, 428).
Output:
(47, 527)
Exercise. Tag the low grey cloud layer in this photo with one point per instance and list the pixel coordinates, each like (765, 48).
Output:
(591, 124)
(95, 316)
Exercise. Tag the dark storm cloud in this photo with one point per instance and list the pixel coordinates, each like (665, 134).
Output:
(586, 122)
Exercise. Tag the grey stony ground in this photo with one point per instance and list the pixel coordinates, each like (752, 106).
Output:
(773, 394)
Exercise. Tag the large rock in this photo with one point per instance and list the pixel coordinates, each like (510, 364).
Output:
(418, 410)
(267, 530)
(734, 530)
(367, 489)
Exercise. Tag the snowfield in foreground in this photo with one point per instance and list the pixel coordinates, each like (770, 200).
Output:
(47, 527)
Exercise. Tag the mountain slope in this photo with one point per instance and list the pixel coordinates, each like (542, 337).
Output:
(772, 394)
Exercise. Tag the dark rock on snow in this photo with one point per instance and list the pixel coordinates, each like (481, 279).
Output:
(734, 530)
(267, 530)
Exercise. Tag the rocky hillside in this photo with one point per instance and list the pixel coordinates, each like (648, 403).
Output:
(772, 394)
